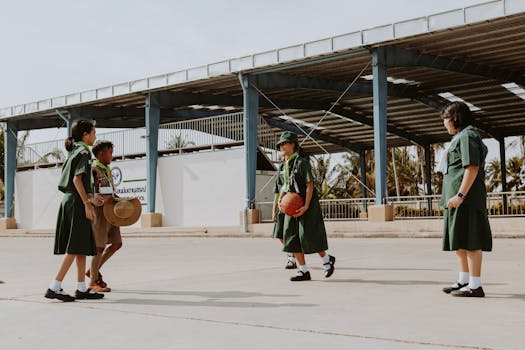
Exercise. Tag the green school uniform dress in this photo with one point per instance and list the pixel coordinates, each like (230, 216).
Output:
(467, 226)
(279, 220)
(73, 233)
(305, 234)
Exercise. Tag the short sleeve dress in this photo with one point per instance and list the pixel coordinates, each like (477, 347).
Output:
(467, 226)
(73, 234)
(305, 234)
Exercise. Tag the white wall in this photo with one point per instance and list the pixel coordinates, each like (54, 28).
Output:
(196, 189)
(37, 198)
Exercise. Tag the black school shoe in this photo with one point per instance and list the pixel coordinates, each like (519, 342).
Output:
(469, 293)
(330, 270)
(290, 265)
(454, 287)
(50, 294)
(301, 276)
(88, 295)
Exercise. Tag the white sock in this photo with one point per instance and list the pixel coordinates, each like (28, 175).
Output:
(303, 268)
(326, 259)
(81, 286)
(291, 258)
(474, 282)
(463, 277)
(55, 285)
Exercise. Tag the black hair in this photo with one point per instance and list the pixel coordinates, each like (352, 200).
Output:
(459, 113)
(78, 129)
(100, 146)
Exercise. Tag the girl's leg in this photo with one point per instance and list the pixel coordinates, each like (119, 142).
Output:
(81, 270)
(95, 266)
(462, 260)
(300, 259)
(475, 258)
(64, 267)
(108, 252)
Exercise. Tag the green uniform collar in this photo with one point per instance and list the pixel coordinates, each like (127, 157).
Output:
(287, 170)
(85, 146)
(103, 167)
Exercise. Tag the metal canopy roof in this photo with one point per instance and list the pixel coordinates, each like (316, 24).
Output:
(474, 54)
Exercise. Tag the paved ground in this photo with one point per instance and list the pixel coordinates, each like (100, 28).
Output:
(232, 293)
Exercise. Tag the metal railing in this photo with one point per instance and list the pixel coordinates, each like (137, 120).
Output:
(409, 207)
(332, 209)
(179, 137)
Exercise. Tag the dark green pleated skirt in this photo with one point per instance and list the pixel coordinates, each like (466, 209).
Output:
(278, 226)
(306, 234)
(466, 228)
(73, 234)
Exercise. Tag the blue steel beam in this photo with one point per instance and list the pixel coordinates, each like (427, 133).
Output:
(360, 117)
(10, 146)
(152, 116)
(503, 169)
(316, 135)
(96, 112)
(251, 140)
(289, 81)
(226, 100)
(380, 116)
(428, 178)
(400, 57)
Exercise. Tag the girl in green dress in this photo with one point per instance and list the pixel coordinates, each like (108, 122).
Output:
(73, 235)
(304, 232)
(464, 197)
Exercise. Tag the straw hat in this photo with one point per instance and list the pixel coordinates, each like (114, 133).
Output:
(122, 211)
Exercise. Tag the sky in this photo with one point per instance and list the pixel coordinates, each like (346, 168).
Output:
(55, 47)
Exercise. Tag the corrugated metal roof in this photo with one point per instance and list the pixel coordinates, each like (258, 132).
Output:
(491, 34)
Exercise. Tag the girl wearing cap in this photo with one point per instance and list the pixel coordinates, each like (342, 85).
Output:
(107, 236)
(304, 232)
(73, 236)
(464, 197)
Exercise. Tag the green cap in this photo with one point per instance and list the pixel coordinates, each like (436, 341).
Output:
(288, 136)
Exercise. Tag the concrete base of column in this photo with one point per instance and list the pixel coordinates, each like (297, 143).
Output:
(8, 224)
(380, 213)
(253, 216)
(151, 220)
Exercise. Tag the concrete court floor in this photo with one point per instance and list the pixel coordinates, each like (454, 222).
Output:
(233, 293)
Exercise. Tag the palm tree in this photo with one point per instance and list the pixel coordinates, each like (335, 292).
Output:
(514, 167)
(179, 141)
(493, 171)
(55, 154)
(326, 177)
(350, 169)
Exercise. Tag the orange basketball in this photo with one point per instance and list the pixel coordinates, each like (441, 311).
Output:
(290, 202)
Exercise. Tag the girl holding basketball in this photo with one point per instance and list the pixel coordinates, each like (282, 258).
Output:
(303, 229)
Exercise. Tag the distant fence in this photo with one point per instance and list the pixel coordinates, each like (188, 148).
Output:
(178, 137)
(409, 207)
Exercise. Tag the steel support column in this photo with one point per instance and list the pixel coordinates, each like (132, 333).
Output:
(380, 90)
(152, 115)
(503, 169)
(251, 121)
(428, 178)
(10, 150)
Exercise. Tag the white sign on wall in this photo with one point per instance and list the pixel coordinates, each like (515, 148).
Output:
(130, 181)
